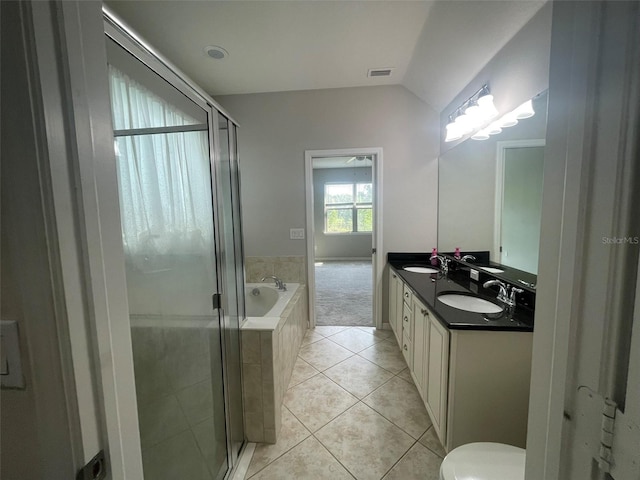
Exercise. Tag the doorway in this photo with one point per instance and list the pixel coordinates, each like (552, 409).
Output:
(343, 191)
(519, 203)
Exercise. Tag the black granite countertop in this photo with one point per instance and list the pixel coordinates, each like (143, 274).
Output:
(427, 287)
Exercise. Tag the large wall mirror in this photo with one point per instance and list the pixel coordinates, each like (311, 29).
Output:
(490, 193)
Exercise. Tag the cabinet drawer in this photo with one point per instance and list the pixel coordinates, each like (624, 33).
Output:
(407, 294)
(407, 321)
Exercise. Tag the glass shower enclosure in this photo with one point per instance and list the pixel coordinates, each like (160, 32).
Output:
(178, 183)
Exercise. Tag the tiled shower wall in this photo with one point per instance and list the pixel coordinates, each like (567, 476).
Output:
(288, 269)
(268, 357)
(175, 398)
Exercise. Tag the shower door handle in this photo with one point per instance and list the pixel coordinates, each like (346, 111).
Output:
(216, 300)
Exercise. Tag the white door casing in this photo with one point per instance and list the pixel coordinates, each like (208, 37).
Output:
(378, 260)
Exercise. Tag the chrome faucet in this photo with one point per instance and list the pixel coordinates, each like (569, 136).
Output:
(279, 283)
(503, 295)
(468, 258)
(444, 262)
(512, 297)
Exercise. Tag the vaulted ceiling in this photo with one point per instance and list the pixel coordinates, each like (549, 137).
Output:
(434, 47)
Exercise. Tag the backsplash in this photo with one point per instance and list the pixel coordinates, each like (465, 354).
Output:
(288, 269)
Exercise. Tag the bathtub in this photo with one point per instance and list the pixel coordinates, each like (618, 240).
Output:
(270, 339)
(265, 304)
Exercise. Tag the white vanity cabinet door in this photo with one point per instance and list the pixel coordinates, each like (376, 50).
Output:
(420, 345)
(393, 302)
(438, 377)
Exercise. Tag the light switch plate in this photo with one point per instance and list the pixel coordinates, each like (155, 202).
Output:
(11, 375)
(296, 233)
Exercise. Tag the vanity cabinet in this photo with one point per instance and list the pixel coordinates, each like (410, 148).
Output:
(474, 383)
(430, 364)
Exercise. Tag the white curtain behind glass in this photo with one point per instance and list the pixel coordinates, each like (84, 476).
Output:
(164, 179)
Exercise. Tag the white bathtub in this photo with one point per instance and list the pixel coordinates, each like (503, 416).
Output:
(265, 308)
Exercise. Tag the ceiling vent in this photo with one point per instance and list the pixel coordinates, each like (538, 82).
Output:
(379, 72)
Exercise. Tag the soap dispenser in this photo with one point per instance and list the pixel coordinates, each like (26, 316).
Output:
(457, 253)
(434, 259)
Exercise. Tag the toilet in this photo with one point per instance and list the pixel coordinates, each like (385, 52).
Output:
(483, 461)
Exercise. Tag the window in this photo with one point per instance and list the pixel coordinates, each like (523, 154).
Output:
(348, 207)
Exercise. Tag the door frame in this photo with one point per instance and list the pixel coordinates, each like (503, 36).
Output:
(501, 148)
(377, 262)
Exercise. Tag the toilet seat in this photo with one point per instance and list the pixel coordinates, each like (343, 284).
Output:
(484, 461)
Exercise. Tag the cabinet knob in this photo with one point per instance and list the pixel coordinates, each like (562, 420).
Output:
(424, 311)
(406, 294)
(406, 319)
(405, 347)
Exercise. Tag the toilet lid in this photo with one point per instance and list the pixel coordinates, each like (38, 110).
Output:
(484, 461)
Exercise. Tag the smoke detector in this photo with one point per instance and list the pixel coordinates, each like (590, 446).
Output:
(379, 72)
(215, 52)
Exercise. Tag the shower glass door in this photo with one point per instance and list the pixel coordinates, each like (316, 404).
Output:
(165, 183)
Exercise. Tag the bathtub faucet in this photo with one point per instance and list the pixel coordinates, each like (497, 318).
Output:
(279, 283)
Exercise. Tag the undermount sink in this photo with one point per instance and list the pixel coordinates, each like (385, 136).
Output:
(469, 303)
(492, 270)
(420, 269)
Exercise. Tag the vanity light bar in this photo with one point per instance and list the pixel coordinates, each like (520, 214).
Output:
(474, 113)
(507, 120)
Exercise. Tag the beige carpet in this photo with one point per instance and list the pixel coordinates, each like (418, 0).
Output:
(344, 294)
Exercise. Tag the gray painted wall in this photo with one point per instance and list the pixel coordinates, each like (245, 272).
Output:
(277, 128)
(516, 73)
(356, 245)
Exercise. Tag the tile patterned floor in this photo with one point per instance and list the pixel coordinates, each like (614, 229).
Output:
(351, 411)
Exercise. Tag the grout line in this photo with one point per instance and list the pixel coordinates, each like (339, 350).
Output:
(289, 449)
(399, 460)
(388, 419)
(327, 448)
(429, 448)
(336, 458)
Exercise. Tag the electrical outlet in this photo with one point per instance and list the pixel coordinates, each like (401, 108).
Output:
(296, 233)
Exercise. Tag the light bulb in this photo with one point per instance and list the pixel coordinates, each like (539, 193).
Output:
(472, 110)
(525, 110)
(487, 107)
(453, 132)
(465, 124)
(494, 128)
(481, 135)
(508, 120)
(476, 116)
